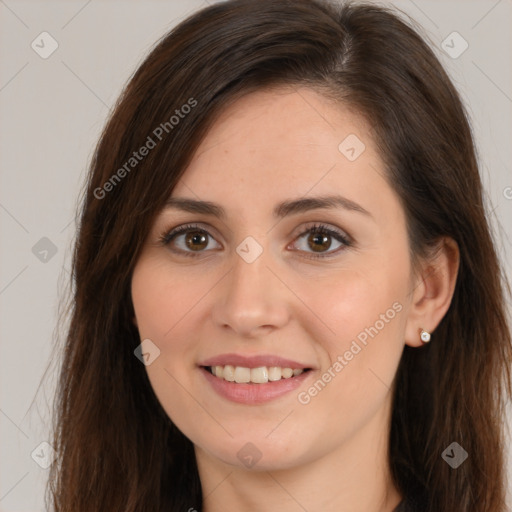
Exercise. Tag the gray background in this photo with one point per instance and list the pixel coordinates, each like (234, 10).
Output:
(52, 111)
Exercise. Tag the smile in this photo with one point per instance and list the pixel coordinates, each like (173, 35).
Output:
(245, 391)
(260, 375)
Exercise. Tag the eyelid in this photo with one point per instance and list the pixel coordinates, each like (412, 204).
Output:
(335, 232)
(340, 235)
(171, 233)
(322, 226)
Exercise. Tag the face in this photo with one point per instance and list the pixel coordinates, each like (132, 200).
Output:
(277, 283)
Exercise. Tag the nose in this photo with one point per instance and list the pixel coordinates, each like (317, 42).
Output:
(251, 299)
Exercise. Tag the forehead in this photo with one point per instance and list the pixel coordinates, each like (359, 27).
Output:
(280, 118)
(283, 142)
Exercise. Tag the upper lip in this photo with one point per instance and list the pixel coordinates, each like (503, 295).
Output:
(255, 361)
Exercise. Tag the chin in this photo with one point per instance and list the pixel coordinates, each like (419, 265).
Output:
(257, 455)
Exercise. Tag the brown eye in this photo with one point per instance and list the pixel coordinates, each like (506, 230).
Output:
(189, 240)
(319, 239)
(319, 242)
(196, 240)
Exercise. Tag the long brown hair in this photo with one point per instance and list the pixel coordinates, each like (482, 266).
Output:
(117, 450)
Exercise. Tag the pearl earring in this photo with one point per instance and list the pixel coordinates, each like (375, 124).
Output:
(424, 336)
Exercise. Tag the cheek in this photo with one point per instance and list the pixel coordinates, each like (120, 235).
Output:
(162, 299)
(163, 303)
(363, 320)
(358, 305)
(362, 354)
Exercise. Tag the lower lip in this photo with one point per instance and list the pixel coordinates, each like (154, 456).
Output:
(254, 393)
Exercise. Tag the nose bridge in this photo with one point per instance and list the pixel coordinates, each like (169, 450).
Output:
(250, 266)
(252, 296)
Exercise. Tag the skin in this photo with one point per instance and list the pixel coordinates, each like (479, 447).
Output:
(331, 453)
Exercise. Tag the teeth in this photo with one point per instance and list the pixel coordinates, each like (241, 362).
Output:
(242, 375)
(274, 373)
(286, 373)
(261, 375)
(228, 373)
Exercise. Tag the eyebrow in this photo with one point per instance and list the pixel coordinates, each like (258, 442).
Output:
(281, 210)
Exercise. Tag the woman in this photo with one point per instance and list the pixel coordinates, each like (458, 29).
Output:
(286, 290)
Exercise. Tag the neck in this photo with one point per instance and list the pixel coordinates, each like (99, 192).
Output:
(355, 477)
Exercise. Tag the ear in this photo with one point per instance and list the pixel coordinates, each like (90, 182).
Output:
(432, 291)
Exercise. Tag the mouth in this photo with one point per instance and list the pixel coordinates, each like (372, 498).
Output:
(254, 379)
(259, 375)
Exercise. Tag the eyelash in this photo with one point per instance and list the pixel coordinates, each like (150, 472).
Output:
(320, 229)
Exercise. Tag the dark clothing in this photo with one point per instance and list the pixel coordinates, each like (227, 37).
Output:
(407, 505)
(415, 497)
(402, 507)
